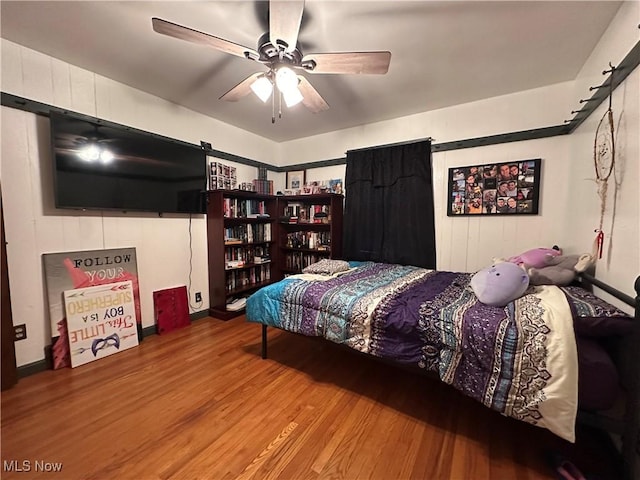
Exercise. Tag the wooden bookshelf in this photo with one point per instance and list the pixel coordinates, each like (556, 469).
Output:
(309, 228)
(241, 232)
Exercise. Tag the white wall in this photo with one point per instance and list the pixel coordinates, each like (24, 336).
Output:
(464, 244)
(467, 243)
(519, 111)
(620, 263)
(34, 226)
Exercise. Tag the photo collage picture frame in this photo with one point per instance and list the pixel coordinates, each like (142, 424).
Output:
(505, 188)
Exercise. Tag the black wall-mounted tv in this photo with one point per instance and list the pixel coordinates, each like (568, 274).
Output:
(100, 165)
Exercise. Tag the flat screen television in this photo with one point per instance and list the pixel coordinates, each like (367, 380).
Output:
(104, 166)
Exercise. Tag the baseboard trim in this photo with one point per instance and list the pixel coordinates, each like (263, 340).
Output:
(46, 364)
(32, 368)
(199, 315)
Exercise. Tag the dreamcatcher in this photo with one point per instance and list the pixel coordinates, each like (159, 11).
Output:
(604, 156)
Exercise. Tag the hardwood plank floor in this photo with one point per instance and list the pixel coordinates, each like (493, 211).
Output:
(200, 403)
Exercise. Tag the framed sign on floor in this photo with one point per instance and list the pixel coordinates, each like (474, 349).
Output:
(101, 321)
(71, 270)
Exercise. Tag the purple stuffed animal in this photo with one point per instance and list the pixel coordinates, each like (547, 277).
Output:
(499, 284)
(535, 258)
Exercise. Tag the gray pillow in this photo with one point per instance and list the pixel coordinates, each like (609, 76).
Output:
(327, 267)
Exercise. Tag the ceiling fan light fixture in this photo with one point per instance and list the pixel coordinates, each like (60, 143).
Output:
(286, 79)
(263, 88)
(292, 96)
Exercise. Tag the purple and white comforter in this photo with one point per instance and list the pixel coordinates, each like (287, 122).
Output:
(519, 360)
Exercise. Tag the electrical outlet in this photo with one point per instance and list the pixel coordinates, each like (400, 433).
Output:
(198, 296)
(19, 332)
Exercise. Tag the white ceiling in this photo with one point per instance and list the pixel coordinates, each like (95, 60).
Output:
(442, 53)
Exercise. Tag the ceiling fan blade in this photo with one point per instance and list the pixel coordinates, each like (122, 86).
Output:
(241, 89)
(347, 62)
(185, 33)
(285, 17)
(310, 97)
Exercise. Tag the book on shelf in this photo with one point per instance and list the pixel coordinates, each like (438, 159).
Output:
(308, 213)
(255, 233)
(263, 186)
(234, 263)
(243, 208)
(246, 278)
(310, 240)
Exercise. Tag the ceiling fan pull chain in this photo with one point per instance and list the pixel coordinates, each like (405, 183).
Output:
(273, 108)
(280, 57)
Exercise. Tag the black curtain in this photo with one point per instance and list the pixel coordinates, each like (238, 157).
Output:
(389, 205)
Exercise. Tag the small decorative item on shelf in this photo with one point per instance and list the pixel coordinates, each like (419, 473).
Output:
(295, 180)
(222, 177)
(335, 186)
(313, 188)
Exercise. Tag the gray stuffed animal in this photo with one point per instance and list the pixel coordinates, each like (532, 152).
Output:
(560, 270)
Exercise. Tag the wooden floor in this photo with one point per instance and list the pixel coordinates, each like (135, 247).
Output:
(201, 403)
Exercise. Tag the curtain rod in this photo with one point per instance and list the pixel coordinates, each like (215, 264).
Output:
(398, 144)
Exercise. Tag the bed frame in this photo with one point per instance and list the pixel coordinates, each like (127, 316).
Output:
(625, 352)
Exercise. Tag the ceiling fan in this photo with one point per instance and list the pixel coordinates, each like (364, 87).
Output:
(279, 50)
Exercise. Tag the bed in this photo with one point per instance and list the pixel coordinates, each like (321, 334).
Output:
(549, 358)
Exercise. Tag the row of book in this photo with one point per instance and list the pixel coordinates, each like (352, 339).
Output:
(243, 208)
(250, 276)
(264, 187)
(235, 257)
(247, 233)
(307, 213)
(310, 240)
(296, 261)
